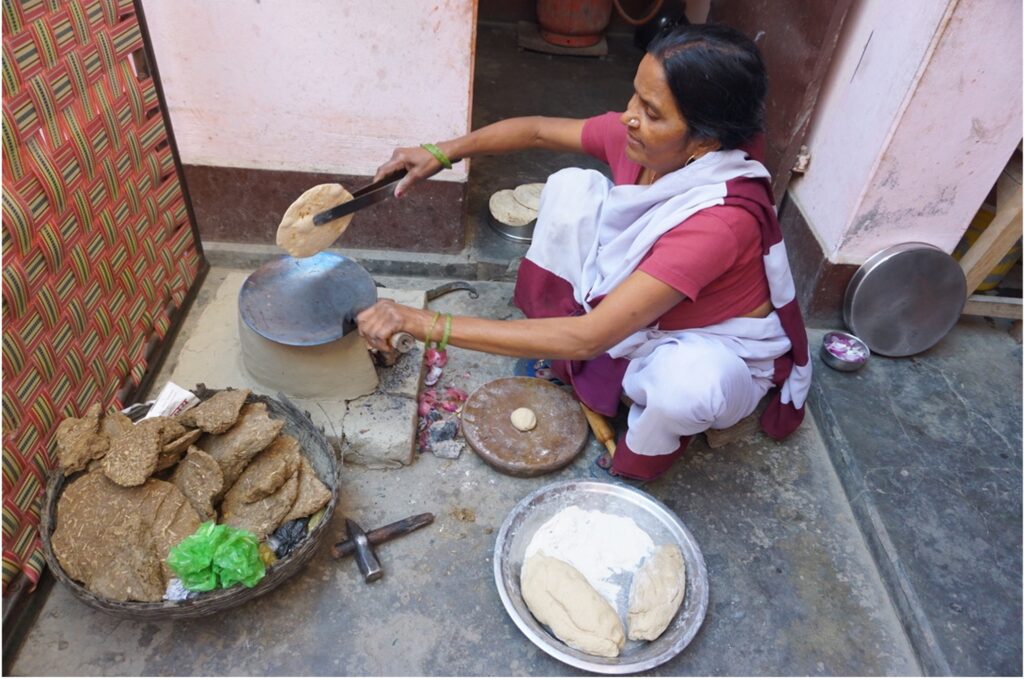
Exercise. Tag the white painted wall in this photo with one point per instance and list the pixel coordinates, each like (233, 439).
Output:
(313, 85)
(919, 114)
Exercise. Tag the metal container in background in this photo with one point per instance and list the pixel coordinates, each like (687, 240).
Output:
(905, 298)
(516, 234)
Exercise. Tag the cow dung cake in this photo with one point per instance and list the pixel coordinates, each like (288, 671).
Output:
(136, 490)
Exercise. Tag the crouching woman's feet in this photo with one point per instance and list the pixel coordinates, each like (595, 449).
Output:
(631, 465)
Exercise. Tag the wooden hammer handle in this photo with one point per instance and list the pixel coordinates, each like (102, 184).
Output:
(402, 342)
(379, 535)
(603, 431)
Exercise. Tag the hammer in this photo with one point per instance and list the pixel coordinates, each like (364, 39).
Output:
(361, 543)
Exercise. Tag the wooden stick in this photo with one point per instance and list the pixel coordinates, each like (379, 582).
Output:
(996, 307)
(998, 237)
(603, 431)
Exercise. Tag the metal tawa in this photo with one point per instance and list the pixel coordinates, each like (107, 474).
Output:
(306, 301)
(559, 436)
(905, 298)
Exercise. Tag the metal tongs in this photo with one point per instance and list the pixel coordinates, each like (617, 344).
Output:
(368, 195)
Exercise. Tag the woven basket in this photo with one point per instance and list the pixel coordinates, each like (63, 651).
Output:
(320, 455)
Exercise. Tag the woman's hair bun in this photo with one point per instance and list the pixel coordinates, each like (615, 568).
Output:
(717, 78)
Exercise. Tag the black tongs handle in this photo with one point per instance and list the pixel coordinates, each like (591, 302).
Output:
(380, 183)
(363, 197)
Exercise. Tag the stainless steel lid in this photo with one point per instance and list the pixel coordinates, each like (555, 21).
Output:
(905, 298)
(307, 301)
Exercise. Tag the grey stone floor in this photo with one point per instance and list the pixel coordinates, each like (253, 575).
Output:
(929, 451)
(794, 589)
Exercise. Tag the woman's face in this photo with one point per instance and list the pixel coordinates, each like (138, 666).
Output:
(657, 135)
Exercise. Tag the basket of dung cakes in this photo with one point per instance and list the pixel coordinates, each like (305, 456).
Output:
(181, 516)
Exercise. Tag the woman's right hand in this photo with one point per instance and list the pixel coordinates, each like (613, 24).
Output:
(418, 163)
(382, 320)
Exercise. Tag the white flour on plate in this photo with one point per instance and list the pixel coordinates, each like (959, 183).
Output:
(597, 544)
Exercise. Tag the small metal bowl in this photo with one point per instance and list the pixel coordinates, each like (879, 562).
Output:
(843, 351)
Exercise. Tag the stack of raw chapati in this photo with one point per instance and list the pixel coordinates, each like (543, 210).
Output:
(149, 485)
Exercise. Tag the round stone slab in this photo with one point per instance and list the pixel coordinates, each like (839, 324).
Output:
(559, 436)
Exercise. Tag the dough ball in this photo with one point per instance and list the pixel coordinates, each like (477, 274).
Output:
(523, 419)
(560, 597)
(656, 593)
(298, 235)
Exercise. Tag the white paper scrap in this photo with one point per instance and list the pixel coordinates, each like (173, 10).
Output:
(172, 400)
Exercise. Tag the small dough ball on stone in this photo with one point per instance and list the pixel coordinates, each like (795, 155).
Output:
(523, 419)
(560, 597)
(656, 593)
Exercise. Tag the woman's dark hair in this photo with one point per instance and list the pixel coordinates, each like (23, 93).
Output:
(717, 78)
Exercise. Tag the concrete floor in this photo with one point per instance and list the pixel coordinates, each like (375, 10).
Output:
(929, 451)
(794, 589)
(883, 538)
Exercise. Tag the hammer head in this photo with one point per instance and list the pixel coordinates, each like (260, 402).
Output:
(367, 560)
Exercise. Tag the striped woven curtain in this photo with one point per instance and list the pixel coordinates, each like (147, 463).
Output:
(98, 249)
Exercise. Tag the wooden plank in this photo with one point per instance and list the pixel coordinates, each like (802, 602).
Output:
(994, 307)
(1000, 235)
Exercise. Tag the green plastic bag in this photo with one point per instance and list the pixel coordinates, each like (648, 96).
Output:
(237, 559)
(217, 556)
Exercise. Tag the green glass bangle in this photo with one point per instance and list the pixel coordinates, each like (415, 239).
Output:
(447, 332)
(430, 331)
(437, 153)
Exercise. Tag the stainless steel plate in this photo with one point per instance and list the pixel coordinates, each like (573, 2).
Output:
(653, 517)
(904, 299)
(305, 301)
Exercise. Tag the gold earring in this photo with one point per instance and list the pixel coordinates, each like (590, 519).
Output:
(690, 159)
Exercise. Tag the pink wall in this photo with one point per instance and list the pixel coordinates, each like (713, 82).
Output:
(313, 85)
(921, 110)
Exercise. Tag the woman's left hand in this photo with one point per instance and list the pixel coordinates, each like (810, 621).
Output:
(378, 323)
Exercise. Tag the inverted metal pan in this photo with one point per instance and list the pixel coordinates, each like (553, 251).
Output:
(306, 301)
(905, 298)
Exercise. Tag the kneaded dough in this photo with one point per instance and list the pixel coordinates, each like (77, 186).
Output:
(656, 593)
(298, 235)
(560, 597)
(523, 419)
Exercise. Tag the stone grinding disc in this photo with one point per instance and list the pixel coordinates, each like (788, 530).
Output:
(559, 436)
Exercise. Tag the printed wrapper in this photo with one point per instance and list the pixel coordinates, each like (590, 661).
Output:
(172, 400)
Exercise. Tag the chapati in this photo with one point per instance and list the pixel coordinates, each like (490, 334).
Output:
(298, 235)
